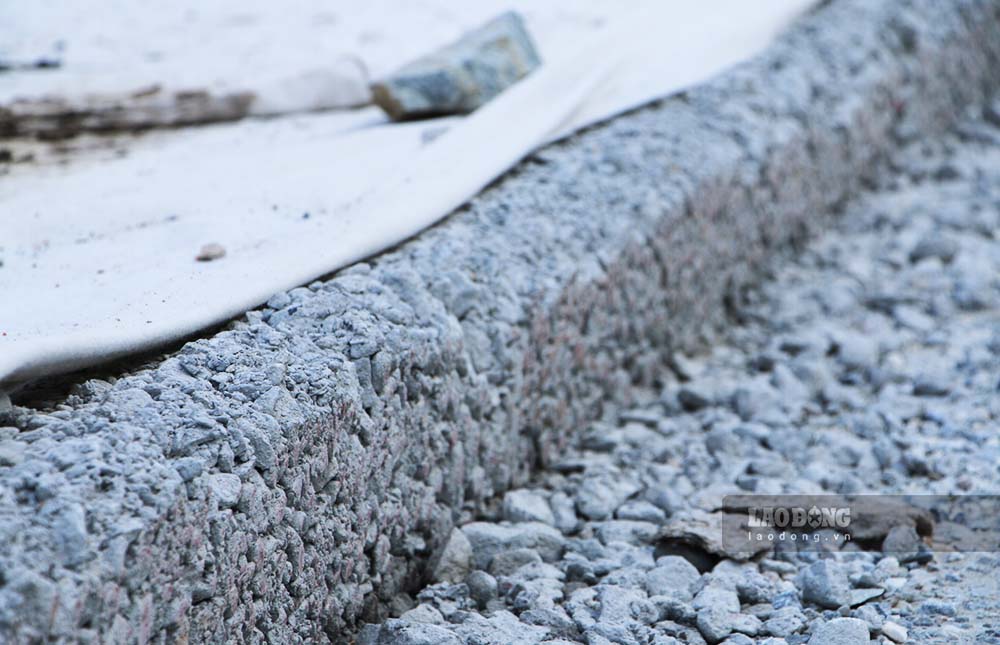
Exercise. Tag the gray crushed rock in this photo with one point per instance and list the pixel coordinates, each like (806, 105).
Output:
(459, 78)
(869, 363)
(454, 562)
(368, 413)
(841, 631)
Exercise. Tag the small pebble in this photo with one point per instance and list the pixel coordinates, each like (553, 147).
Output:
(210, 252)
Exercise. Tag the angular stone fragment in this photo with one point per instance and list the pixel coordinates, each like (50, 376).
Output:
(895, 632)
(225, 488)
(824, 583)
(401, 632)
(703, 532)
(506, 563)
(625, 531)
(672, 575)
(70, 532)
(482, 587)
(861, 596)
(841, 631)
(526, 506)
(501, 627)
(641, 511)
(425, 614)
(785, 622)
(715, 624)
(488, 539)
(902, 542)
(453, 563)
(462, 76)
(718, 598)
(601, 494)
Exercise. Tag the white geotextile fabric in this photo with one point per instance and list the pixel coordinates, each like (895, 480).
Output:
(292, 55)
(99, 257)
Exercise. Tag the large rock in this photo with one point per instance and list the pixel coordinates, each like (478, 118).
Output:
(489, 539)
(462, 76)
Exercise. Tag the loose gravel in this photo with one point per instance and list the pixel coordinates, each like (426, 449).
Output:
(871, 363)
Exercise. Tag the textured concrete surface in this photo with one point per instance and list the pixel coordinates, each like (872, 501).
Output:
(869, 363)
(360, 415)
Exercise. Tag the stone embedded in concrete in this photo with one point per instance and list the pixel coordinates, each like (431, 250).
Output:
(225, 488)
(461, 77)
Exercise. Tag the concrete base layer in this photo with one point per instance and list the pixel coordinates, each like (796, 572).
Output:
(293, 474)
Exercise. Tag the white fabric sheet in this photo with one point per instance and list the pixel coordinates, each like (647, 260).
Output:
(99, 258)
